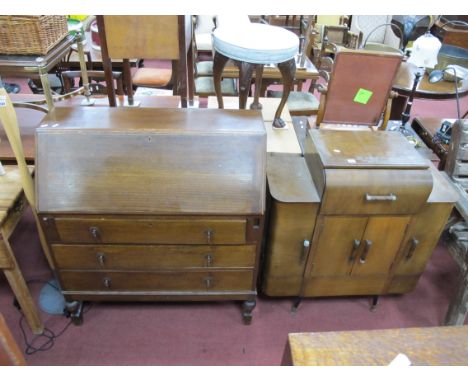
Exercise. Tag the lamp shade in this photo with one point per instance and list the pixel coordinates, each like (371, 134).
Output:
(425, 50)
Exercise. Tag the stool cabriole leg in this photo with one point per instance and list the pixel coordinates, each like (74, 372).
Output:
(245, 79)
(288, 72)
(256, 105)
(219, 62)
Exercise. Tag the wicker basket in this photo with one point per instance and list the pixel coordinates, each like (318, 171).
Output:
(34, 35)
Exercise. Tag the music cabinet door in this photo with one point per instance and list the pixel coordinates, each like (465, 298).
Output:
(380, 244)
(338, 244)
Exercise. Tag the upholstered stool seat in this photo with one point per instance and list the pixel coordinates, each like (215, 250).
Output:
(256, 43)
(251, 46)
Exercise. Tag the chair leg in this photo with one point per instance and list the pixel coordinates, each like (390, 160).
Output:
(288, 72)
(219, 62)
(458, 308)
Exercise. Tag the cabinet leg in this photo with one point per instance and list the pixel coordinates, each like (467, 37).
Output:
(373, 306)
(247, 308)
(75, 311)
(295, 305)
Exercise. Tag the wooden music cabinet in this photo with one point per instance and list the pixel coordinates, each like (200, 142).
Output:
(359, 214)
(152, 204)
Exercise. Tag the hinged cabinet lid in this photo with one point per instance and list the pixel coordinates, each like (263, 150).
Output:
(362, 149)
(151, 161)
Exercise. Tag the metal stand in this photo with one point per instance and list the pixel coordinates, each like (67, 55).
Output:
(405, 116)
(84, 71)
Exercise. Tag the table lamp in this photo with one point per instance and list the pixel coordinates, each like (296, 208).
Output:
(424, 55)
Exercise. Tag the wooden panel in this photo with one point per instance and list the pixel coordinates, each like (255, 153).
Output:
(93, 159)
(366, 149)
(290, 225)
(402, 284)
(158, 231)
(289, 179)
(436, 346)
(425, 228)
(144, 257)
(151, 37)
(203, 281)
(344, 286)
(347, 189)
(384, 235)
(336, 244)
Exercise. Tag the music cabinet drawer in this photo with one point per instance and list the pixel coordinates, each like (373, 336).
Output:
(375, 191)
(154, 231)
(146, 257)
(194, 281)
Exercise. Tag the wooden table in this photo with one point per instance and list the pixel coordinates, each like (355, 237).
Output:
(29, 119)
(12, 205)
(434, 346)
(425, 90)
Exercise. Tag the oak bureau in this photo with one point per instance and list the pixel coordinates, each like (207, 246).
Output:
(152, 204)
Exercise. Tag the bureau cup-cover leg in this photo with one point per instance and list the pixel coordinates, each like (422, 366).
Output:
(247, 308)
(374, 302)
(75, 311)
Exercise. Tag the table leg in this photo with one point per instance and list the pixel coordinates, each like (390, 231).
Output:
(245, 80)
(45, 84)
(256, 105)
(288, 72)
(20, 289)
(219, 62)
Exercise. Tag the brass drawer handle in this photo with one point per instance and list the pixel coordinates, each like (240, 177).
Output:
(101, 258)
(381, 198)
(367, 246)
(414, 243)
(208, 282)
(107, 282)
(209, 235)
(305, 251)
(209, 259)
(95, 233)
(356, 245)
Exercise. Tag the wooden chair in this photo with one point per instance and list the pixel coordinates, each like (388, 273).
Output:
(359, 91)
(96, 87)
(149, 37)
(10, 353)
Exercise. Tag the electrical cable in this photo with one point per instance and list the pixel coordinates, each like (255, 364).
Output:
(48, 336)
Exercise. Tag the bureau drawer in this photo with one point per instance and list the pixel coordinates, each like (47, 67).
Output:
(375, 191)
(146, 257)
(157, 231)
(193, 281)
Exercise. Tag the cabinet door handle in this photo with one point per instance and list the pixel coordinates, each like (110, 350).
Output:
(101, 258)
(209, 235)
(95, 233)
(209, 259)
(208, 282)
(356, 245)
(381, 198)
(413, 244)
(305, 250)
(107, 282)
(367, 245)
